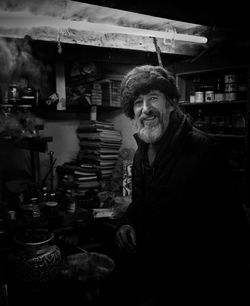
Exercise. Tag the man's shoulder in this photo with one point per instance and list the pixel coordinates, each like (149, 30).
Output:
(202, 137)
(203, 143)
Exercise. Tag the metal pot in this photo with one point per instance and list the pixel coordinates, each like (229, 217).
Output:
(36, 259)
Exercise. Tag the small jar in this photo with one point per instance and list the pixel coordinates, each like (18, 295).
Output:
(230, 96)
(199, 97)
(209, 96)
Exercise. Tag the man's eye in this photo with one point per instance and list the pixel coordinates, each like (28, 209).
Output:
(154, 98)
(137, 102)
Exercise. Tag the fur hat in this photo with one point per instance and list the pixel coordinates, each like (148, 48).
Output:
(142, 80)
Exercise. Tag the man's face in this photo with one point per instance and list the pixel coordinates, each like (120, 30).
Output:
(152, 112)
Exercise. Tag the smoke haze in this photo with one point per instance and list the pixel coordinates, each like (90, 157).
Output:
(19, 65)
(47, 7)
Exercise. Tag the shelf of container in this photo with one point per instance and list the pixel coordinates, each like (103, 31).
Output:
(234, 103)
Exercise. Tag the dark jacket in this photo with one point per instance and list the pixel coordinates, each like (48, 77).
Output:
(189, 220)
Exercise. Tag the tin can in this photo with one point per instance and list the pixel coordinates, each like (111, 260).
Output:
(199, 96)
(209, 96)
(230, 96)
(219, 96)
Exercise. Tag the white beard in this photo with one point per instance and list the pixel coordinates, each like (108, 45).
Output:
(150, 133)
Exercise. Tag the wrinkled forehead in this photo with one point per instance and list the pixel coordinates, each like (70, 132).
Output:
(151, 92)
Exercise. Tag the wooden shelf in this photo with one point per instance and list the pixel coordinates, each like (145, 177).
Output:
(225, 116)
(205, 104)
(213, 70)
(228, 136)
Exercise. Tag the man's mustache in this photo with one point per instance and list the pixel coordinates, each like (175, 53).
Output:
(149, 114)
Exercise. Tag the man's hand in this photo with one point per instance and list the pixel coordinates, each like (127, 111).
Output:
(126, 238)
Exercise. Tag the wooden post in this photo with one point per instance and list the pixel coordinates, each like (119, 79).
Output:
(158, 52)
(93, 112)
(60, 84)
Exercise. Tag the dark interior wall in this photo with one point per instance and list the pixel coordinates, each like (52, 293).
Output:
(108, 61)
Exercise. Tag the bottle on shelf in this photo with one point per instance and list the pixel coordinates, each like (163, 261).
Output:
(231, 87)
(199, 94)
(219, 94)
(192, 94)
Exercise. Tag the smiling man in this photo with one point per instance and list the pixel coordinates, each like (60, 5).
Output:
(185, 230)
(152, 114)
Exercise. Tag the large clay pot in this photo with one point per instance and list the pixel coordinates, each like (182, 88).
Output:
(36, 259)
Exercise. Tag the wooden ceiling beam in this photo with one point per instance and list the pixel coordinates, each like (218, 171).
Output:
(78, 23)
(109, 40)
